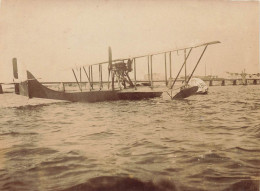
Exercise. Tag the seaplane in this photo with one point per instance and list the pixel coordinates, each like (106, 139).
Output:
(119, 86)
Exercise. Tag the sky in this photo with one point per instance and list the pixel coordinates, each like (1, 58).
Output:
(49, 37)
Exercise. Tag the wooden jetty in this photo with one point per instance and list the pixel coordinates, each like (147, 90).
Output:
(209, 82)
(232, 82)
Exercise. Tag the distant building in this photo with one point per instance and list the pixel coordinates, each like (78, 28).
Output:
(208, 77)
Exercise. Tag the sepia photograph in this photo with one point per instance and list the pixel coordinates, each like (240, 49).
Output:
(111, 95)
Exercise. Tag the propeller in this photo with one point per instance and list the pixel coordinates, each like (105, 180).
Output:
(109, 64)
(109, 58)
(15, 70)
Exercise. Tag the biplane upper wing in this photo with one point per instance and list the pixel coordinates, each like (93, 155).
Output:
(157, 53)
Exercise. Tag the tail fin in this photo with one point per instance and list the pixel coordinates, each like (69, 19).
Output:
(1, 89)
(15, 73)
(15, 69)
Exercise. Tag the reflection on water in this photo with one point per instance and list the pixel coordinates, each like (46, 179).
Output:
(207, 142)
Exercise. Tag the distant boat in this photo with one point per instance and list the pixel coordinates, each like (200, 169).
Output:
(202, 86)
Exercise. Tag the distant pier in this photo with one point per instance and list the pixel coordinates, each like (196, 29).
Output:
(209, 82)
(70, 85)
(233, 82)
(221, 81)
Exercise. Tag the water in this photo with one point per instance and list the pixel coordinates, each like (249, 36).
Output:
(206, 142)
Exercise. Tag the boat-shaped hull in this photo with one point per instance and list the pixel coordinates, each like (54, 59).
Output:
(34, 89)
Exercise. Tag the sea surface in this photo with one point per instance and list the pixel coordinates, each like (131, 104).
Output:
(205, 142)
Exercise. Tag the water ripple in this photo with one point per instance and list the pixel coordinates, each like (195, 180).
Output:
(208, 142)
